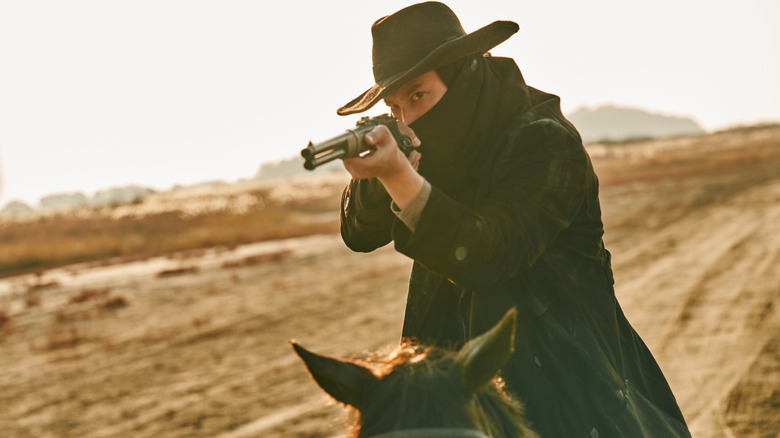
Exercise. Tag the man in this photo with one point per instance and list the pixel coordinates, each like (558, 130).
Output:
(498, 207)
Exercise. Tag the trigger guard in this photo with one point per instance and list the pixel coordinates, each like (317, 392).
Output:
(405, 144)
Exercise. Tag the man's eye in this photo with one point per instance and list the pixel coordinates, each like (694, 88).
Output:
(417, 96)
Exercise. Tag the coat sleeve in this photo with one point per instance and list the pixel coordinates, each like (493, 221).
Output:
(536, 189)
(366, 217)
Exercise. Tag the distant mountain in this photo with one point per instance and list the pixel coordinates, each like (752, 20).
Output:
(16, 207)
(280, 169)
(62, 201)
(614, 123)
(119, 195)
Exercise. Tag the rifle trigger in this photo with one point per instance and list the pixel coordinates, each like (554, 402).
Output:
(406, 144)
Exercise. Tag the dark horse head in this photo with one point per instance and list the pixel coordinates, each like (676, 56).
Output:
(426, 391)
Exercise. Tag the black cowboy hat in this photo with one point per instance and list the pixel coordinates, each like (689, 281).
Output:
(418, 39)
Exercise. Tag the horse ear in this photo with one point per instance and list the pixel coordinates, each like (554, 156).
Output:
(344, 381)
(482, 357)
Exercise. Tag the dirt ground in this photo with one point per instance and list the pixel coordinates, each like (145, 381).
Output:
(196, 344)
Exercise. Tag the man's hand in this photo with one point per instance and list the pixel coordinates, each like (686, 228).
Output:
(388, 164)
(385, 157)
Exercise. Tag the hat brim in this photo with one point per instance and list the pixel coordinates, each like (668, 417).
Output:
(477, 42)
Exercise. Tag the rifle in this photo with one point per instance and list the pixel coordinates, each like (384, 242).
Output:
(351, 144)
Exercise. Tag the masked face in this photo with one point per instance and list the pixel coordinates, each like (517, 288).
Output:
(455, 130)
(416, 97)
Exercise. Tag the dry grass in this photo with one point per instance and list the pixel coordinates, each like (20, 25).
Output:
(67, 339)
(41, 285)
(89, 294)
(275, 256)
(112, 303)
(32, 301)
(177, 271)
(5, 322)
(170, 222)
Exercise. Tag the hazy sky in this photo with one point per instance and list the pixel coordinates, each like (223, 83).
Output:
(104, 93)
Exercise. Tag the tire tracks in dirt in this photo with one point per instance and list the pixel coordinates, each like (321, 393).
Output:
(751, 408)
(163, 375)
(706, 305)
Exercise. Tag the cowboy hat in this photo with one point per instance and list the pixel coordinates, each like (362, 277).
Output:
(418, 39)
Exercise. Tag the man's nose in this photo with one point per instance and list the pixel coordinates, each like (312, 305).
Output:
(407, 115)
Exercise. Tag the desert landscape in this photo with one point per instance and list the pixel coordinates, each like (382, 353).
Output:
(172, 316)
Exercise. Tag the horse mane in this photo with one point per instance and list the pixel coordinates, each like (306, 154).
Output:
(420, 387)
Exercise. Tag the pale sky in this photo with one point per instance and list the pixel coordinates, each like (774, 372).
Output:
(97, 94)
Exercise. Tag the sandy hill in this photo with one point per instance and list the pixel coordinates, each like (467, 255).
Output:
(616, 123)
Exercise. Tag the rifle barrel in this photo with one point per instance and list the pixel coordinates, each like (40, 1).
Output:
(313, 162)
(340, 146)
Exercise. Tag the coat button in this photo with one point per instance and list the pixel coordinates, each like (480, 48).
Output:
(537, 361)
(594, 433)
(460, 253)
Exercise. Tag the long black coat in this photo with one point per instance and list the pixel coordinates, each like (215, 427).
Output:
(531, 238)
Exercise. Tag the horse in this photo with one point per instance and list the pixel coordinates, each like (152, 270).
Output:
(426, 391)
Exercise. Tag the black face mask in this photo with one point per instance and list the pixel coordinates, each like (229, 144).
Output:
(455, 132)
